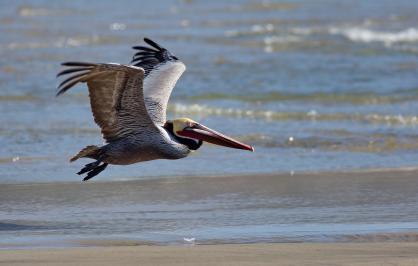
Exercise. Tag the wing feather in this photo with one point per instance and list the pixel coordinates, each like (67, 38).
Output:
(71, 70)
(162, 70)
(116, 97)
(73, 78)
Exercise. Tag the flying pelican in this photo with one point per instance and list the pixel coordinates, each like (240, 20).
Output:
(129, 104)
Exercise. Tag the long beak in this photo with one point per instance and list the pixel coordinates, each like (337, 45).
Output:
(203, 133)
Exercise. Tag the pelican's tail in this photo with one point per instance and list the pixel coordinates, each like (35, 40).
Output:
(91, 151)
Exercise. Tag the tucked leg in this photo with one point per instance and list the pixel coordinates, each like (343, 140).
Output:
(88, 167)
(95, 171)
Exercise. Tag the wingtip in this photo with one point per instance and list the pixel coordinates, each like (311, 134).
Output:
(148, 40)
(78, 64)
(144, 48)
(59, 93)
(153, 44)
(68, 63)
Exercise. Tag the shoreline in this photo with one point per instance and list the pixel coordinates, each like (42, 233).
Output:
(365, 254)
(325, 173)
(77, 242)
(325, 207)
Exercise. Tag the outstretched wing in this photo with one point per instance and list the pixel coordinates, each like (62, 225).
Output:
(162, 70)
(116, 97)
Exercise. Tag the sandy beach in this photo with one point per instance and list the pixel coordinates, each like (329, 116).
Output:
(369, 190)
(253, 254)
(356, 206)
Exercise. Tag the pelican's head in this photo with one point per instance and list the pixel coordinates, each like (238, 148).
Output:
(186, 128)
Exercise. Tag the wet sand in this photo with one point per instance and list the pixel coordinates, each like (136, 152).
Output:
(397, 247)
(238, 254)
(356, 206)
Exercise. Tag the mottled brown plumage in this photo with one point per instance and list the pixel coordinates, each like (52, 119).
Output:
(116, 97)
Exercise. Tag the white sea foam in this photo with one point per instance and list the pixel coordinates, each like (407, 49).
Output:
(358, 34)
(303, 30)
(117, 26)
(313, 115)
(27, 11)
(59, 42)
(269, 40)
(254, 30)
(262, 28)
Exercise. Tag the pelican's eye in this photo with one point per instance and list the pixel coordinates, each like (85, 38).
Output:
(191, 125)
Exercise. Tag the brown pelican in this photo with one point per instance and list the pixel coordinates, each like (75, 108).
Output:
(129, 104)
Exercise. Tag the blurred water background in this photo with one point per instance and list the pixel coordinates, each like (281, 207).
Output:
(313, 85)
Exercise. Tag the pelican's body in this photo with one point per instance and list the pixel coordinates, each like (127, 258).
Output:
(134, 150)
(129, 103)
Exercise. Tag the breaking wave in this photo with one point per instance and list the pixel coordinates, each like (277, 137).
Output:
(355, 98)
(197, 109)
(276, 37)
(365, 35)
(62, 42)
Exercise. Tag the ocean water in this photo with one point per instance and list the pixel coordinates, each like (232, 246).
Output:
(314, 86)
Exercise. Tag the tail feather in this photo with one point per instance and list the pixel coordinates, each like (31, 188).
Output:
(91, 151)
